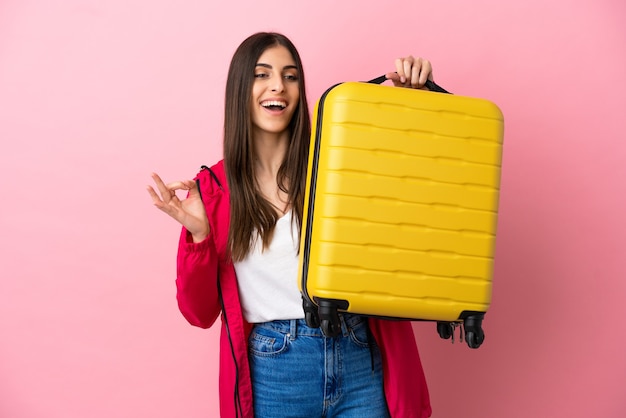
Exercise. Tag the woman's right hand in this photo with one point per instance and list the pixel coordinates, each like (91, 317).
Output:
(189, 212)
(411, 72)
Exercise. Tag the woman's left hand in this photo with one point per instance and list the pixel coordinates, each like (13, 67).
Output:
(411, 72)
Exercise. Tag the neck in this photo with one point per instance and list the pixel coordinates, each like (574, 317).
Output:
(270, 153)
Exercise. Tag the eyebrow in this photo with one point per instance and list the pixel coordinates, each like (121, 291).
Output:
(286, 67)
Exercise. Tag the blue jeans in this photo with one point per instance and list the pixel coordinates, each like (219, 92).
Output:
(297, 372)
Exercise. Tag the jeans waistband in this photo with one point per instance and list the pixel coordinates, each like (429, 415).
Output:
(298, 327)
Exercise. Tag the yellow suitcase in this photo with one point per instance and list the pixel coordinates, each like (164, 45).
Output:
(401, 207)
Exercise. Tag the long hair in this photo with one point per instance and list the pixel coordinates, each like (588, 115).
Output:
(250, 212)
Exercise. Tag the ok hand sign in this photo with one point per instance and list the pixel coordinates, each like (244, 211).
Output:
(189, 212)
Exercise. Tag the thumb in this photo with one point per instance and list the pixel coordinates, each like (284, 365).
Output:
(194, 188)
(393, 76)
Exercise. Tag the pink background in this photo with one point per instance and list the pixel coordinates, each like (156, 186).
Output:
(94, 95)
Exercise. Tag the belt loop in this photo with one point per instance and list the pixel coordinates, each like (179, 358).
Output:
(293, 329)
(344, 325)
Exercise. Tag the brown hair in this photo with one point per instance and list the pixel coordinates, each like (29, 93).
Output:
(249, 210)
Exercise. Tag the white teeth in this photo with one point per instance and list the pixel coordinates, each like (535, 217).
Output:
(270, 103)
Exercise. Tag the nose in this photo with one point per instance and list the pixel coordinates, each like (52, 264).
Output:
(277, 84)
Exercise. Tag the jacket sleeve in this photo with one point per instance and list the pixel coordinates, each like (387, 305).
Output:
(405, 383)
(197, 268)
(196, 281)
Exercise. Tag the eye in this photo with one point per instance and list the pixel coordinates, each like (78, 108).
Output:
(291, 77)
(261, 75)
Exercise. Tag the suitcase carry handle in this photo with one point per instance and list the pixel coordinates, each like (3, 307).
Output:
(431, 85)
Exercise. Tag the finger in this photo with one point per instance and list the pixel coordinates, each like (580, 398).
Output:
(193, 188)
(157, 179)
(166, 194)
(426, 72)
(409, 62)
(155, 197)
(160, 204)
(394, 78)
(180, 185)
(415, 73)
(189, 185)
(168, 191)
(400, 70)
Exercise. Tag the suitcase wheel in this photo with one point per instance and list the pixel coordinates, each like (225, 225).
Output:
(329, 318)
(330, 328)
(474, 340)
(470, 327)
(445, 330)
(312, 319)
(474, 335)
(310, 313)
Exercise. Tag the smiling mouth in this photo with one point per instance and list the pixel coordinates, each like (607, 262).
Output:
(274, 105)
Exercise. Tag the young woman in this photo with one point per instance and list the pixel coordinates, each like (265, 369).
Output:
(238, 257)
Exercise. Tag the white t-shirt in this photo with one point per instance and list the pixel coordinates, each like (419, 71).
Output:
(267, 279)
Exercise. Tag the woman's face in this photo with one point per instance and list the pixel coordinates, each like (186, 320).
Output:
(275, 92)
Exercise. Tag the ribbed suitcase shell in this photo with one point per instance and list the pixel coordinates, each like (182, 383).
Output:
(401, 202)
